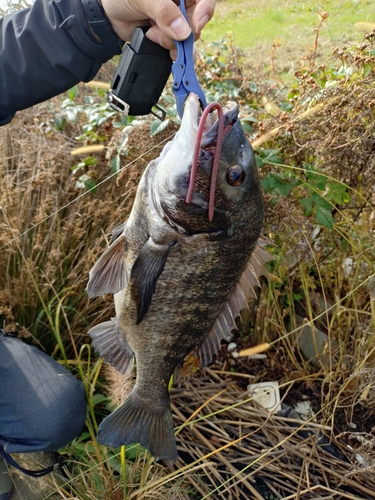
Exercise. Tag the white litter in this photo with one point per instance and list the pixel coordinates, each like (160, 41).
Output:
(232, 346)
(305, 411)
(266, 394)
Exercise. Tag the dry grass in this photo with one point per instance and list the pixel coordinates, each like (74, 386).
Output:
(242, 451)
(45, 238)
(250, 448)
(51, 235)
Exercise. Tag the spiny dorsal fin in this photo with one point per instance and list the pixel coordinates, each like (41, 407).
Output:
(109, 274)
(244, 290)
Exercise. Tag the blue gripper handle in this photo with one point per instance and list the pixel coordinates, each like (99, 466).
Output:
(184, 76)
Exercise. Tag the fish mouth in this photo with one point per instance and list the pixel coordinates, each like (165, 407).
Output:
(211, 124)
(210, 135)
(179, 192)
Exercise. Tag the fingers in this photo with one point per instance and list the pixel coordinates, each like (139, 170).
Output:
(169, 18)
(125, 30)
(171, 21)
(203, 12)
(198, 11)
(158, 36)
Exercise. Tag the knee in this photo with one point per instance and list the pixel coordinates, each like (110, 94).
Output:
(42, 405)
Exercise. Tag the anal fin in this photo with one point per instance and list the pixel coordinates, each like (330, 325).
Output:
(109, 274)
(111, 347)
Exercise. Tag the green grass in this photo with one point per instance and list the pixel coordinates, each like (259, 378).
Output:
(255, 25)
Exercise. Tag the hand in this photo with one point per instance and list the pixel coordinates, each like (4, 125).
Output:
(168, 23)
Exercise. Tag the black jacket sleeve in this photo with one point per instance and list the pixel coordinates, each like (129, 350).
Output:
(44, 51)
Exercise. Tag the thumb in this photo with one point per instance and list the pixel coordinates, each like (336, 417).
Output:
(171, 21)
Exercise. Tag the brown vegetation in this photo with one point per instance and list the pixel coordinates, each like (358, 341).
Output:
(52, 233)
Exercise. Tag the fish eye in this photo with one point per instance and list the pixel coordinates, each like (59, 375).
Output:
(235, 175)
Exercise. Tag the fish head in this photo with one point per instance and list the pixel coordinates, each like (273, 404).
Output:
(238, 196)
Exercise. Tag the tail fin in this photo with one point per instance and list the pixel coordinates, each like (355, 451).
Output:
(132, 422)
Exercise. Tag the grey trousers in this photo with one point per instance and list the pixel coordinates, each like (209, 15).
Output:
(42, 405)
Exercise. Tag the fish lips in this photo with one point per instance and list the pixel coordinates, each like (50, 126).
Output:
(179, 183)
(231, 111)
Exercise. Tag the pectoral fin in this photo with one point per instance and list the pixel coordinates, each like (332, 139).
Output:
(109, 274)
(145, 273)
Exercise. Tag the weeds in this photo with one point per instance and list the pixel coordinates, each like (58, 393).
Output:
(315, 155)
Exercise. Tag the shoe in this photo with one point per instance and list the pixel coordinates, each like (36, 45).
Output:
(6, 484)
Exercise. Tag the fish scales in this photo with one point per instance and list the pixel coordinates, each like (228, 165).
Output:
(178, 278)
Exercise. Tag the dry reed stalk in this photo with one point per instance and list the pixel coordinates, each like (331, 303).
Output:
(270, 451)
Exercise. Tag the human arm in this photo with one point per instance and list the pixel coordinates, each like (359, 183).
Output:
(44, 51)
(48, 48)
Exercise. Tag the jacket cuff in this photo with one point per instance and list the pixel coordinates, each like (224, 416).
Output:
(77, 22)
(100, 25)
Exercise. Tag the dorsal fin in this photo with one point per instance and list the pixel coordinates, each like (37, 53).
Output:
(243, 291)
